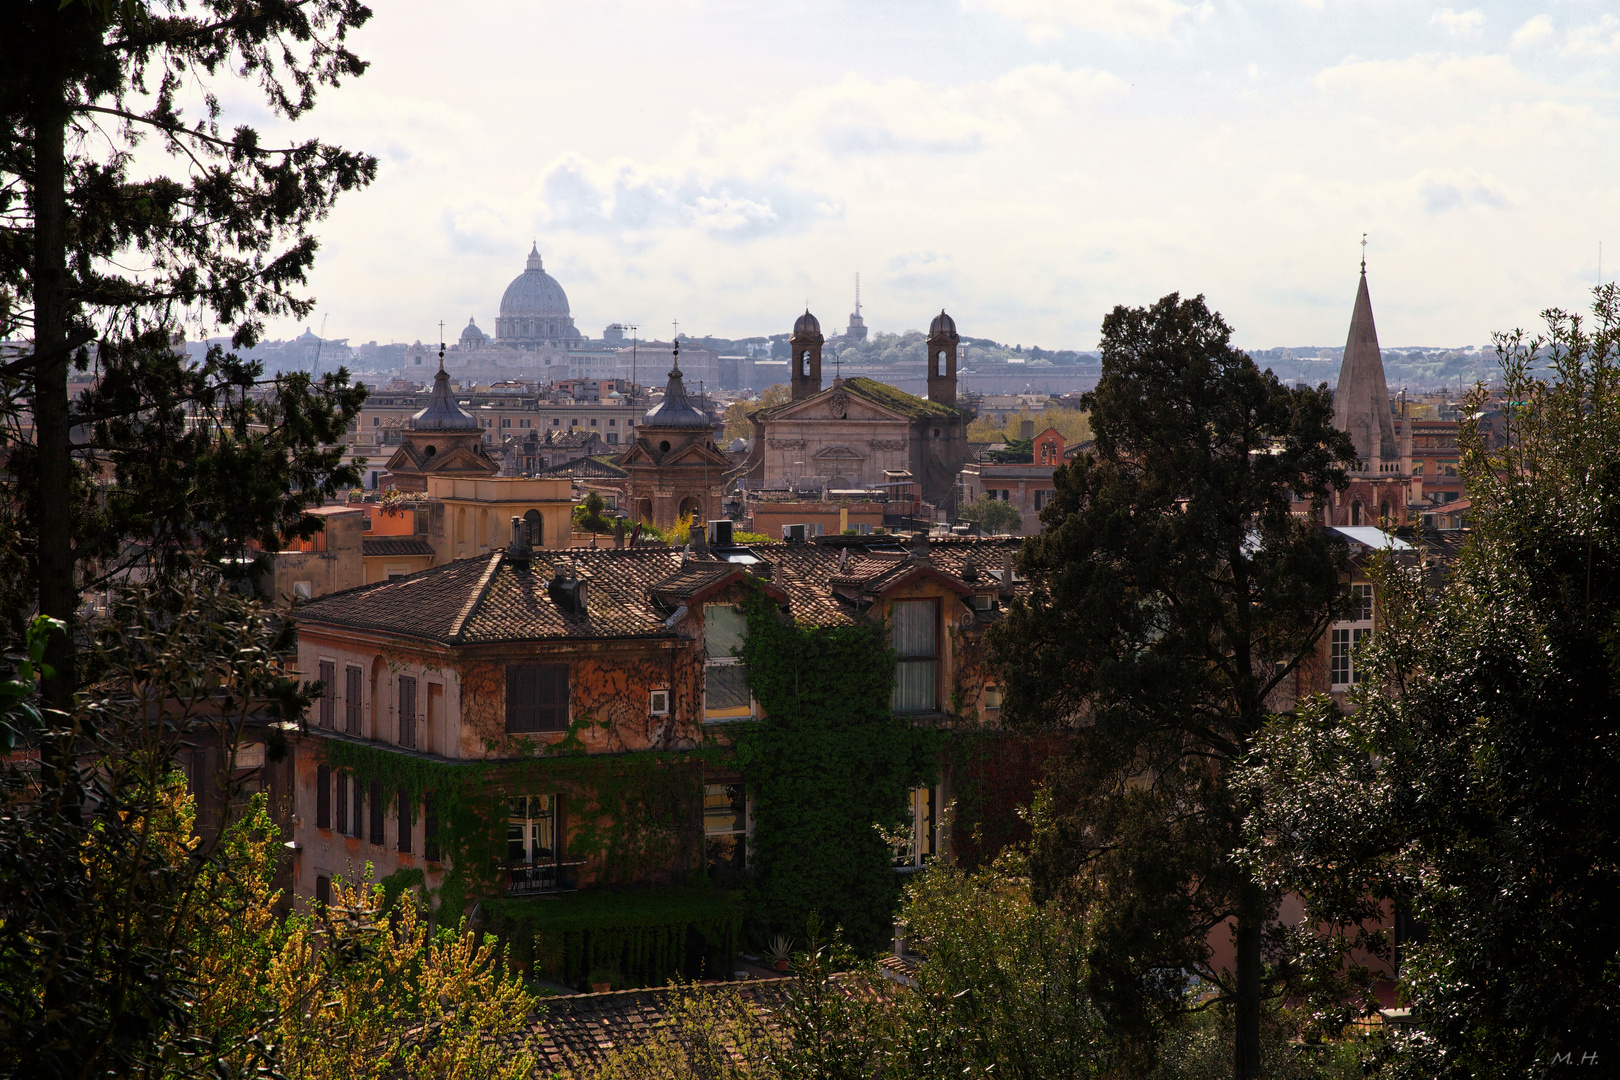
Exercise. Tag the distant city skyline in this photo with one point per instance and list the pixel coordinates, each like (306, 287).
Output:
(1027, 164)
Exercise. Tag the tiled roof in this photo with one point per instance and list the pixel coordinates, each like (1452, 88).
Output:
(394, 545)
(628, 591)
(898, 400)
(581, 1030)
(584, 469)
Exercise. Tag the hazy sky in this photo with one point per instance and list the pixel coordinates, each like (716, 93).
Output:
(1026, 164)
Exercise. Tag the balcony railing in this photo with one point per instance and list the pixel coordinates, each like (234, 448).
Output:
(528, 879)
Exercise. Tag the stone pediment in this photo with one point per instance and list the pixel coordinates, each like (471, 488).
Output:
(838, 453)
(836, 404)
(693, 453)
(461, 460)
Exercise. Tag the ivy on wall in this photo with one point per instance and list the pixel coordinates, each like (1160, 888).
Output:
(631, 815)
(828, 767)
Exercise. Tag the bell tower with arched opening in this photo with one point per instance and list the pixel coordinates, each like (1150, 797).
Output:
(805, 343)
(942, 343)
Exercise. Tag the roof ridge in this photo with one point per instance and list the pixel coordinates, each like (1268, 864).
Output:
(477, 596)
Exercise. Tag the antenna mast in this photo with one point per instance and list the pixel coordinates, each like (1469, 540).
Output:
(315, 368)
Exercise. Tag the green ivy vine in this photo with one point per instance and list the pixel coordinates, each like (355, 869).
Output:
(829, 766)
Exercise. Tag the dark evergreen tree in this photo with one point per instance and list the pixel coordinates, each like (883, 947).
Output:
(1173, 593)
(1476, 786)
(109, 257)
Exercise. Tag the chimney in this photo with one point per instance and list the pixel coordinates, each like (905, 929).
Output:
(519, 554)
(1026, 429)
(1006, 572)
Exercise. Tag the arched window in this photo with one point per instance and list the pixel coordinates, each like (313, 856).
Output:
(1383, 512)
(1355, 513)
(536, 527)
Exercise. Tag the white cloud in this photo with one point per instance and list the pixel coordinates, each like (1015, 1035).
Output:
(1045, 20)
(1602, 38)
(1534, 32)
(1460, 23)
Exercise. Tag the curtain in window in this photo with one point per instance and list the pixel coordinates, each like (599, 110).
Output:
(916, 642)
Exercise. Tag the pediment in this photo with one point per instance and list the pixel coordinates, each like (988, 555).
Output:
(835, 404)
(839, 453)
(460, 459)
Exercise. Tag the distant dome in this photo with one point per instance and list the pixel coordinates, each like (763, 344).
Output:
(471, 335)
(534, 309)
(806, 324)
(943, 324)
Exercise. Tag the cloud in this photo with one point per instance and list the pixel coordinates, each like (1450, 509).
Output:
(1533, 32)
(1044, 20)
(580, 197)
(1440, 196)
(1459, 23)
(1602, 38)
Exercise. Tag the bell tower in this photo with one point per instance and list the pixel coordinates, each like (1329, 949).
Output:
(805, 344)
(942, 342)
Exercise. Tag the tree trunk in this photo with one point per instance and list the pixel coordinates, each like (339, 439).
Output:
(58, 594)
(1246, 1044)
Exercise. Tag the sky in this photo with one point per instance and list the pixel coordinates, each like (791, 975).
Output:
(1025, 164)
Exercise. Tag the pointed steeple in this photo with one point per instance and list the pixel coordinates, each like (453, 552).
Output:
(1361, 400)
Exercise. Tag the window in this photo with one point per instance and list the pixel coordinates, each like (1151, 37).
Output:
(531, 829)
(328, 694)
(992, 698)
(351, 700)
(430, 830)
(407, 712)
(506, 421)
(725, 827)
(323, 891)
(613, 423)
(556, 421)
(916, 640)
(323, 797)
(377, 809)
(536, 527)
(613, 437)
(725, 676)
(375, 420)
(917, 846)
(1347, 634)
(343, 802)
(523, 423)
(357, 823)
(406, 821)
(658, 703)
(537, 697)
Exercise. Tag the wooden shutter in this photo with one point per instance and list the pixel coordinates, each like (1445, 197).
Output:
(430, 830)
(323, 797)
(343, 802)
(537, 697)
(328, 694)
(406, 824)
(378, 807)
(351, 700)
(407, 712)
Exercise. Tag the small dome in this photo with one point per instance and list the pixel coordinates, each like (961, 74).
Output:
(471, 333)
(442, 412)
(943, 324)
(807, 324)
(676, 410)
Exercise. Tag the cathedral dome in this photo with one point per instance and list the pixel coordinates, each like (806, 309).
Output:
(534, 293)
(943, 325)
(471, 335)
(806, 324)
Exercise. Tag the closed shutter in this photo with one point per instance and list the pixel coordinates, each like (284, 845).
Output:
(407, 712)
(351, 700)
(328, 694)
(378, 807)
(430, 830)
(342, 802)
(537, 697)
(407, 824)
(323, 798)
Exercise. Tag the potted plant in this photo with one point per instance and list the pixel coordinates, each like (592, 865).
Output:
(601, 980)
(781, 952)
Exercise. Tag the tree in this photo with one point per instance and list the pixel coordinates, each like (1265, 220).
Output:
(123, 218)
(994, 515)
(1475, 788)
(1172, 594)
(738, 424)
(590, 516)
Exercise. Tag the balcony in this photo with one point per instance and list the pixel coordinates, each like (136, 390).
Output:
(532, 879)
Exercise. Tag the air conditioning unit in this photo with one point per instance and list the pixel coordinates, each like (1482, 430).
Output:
(794, 534)
(720, 533)
(658, 703)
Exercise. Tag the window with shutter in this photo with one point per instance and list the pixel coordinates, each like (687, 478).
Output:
(407, 712)
(725, 676)
(328, 694)
(343, 802)
(351, 700)
(323, 797)
(430, 830)
(357, 823)
(537, 697)
(916, 642)
(406, 822)
(377, 809)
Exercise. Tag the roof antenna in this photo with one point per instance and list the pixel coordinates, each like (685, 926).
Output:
(1363, 254)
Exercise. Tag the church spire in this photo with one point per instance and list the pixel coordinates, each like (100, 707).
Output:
(1361, 399)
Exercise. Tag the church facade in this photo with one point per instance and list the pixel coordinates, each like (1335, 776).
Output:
(860, 433)
(675, 469)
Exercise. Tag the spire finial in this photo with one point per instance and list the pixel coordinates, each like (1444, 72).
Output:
(1363, 254)
(441, 344)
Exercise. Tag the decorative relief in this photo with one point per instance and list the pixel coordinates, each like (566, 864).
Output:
(839, 403)
(887, 444)
(786, 444)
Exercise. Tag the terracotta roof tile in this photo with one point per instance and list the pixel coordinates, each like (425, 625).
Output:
(488, 599)
(394, 545)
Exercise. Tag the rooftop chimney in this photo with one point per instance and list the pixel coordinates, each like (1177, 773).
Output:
(519, 554)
